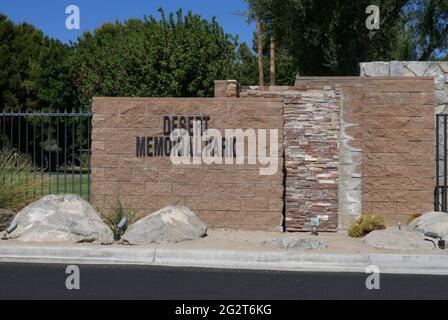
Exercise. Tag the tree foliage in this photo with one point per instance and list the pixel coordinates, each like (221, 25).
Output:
(329, 37)
(246, 68)
(178, 56)
(19, 58)
(181, 55)
(428, 25)
(55, 77)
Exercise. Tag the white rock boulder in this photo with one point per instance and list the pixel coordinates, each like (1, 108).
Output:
(435, 222)
(398, 240)
(61, 218)
(172, 224)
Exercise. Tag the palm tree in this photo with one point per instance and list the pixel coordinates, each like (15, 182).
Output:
(255, 13)
(272, 60)
(260, 52)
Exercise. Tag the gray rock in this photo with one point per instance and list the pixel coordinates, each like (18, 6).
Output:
(397, 68)
(442, 97)
(6, 218)
(418, 68)
(172, 224)
(435, 222)
(397, 240)
(433, 70)
(441, 109)
(440, 81)
(444, 66)
(61, 218)
(295, 243)
(375, 69)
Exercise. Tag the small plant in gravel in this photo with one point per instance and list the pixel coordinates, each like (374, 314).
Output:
(117, 212)
(365, 225)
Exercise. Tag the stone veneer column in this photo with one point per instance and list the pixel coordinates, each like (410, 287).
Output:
(311, 142)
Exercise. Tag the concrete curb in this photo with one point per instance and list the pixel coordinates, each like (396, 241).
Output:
(224, 259)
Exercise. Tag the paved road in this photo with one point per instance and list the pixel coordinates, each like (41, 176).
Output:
(31, 281)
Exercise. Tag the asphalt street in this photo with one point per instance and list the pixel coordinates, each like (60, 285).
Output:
(37, 281)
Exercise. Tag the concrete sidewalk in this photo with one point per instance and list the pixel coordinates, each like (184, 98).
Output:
(223, 259)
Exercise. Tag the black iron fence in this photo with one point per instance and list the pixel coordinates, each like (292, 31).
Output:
(57, 142)
(441, 191)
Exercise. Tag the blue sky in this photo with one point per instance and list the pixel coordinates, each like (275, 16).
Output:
(49, 15)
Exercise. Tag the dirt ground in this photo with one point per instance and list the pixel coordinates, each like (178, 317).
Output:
(239, 240)
(338, 243)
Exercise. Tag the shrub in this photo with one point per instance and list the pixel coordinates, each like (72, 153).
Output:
(17, 180)
(372, 223)
(117, 213)
(365, 225)
(355, 231)
(413, 217)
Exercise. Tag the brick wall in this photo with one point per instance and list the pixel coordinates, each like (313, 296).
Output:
(434, 69)
(398, 147)
(224, 196)
(352, 145)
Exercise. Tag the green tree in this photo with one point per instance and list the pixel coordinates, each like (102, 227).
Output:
(259, 11)
(246, 67)
(20, 47)
(55, 77)
(178, 56)
(428, 24)
(330, 37)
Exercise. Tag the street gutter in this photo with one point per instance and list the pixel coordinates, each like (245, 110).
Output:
(222, 259)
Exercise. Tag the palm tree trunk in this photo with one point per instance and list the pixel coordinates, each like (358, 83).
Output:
(272, 64)
(260, 53)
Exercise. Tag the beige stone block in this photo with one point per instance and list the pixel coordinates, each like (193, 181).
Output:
(158, 188)
(145, 175)
(129, 134)
(104, 188)
(132, 189)
(118, 175)
(104, 134)
(165, 201)
(182, 189)
(133, 107)
(101, 105)
(228, 204)
(269, 191)
(173, 175)
(104, 161)
(255, 204)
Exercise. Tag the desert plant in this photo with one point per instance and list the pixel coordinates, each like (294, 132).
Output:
(372, 223)
(355, 231)
(117, 212)
(413, 217)
(365, 225)
(17, 180)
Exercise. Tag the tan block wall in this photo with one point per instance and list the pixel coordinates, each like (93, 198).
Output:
(398, 147)
(224, 196)
(390, 123)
